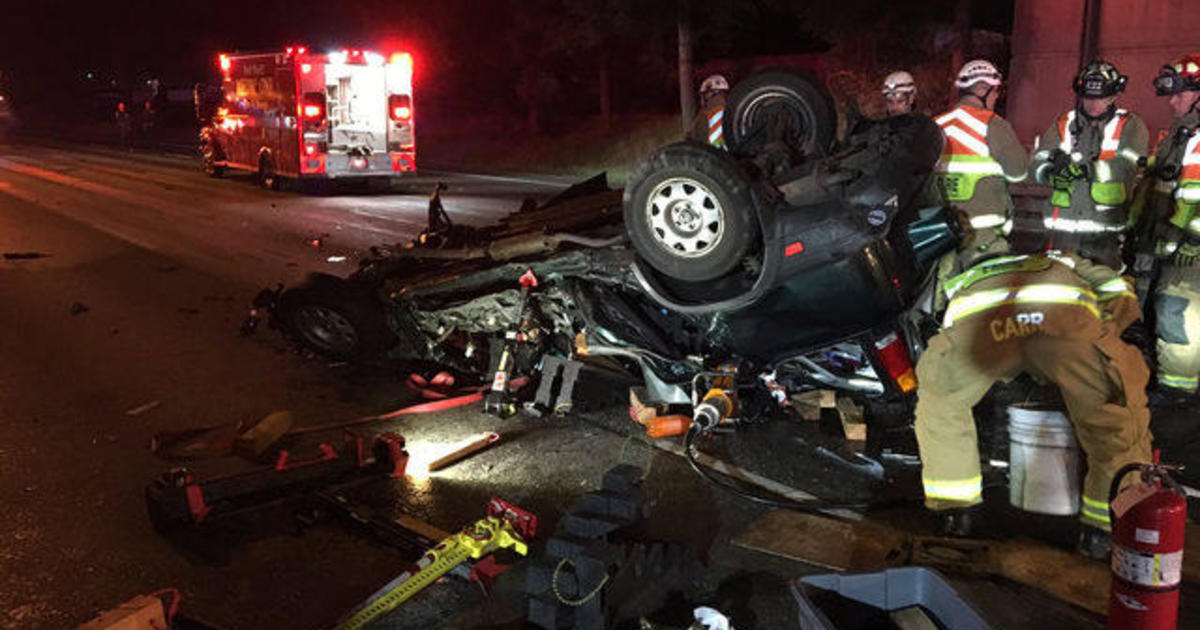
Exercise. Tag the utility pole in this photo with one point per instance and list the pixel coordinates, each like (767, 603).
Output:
(687, 95)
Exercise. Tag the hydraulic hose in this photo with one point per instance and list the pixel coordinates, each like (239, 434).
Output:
(810, 507)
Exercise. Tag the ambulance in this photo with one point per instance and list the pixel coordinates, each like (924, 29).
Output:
(304, 115)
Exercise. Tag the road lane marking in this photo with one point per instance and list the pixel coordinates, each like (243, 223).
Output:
(82, 184)
(30, 198)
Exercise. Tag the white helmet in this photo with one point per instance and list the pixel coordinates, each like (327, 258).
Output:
(899, 82)
(714, 83)
(977, 71)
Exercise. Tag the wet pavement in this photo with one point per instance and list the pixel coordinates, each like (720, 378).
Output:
(128, 325)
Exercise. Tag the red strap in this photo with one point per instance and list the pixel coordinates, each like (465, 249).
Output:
(196, 506)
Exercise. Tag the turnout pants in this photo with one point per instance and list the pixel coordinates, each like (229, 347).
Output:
(1102, 380)
(1177, 313)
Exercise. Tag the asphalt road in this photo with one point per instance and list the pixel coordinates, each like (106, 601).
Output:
(132, 275)
(137, 276)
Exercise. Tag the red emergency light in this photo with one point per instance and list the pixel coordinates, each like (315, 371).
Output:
(314, 106)
(402, 59)
(226, 63)
(400, 107)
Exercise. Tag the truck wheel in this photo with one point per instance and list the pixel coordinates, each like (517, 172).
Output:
(688, 211)
(334, 318)
(266, 173)
(779, 104)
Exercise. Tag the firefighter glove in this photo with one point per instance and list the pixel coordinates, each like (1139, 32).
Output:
(1187, 254)
(1065, 178)
(1167, 240)
(1058, 160)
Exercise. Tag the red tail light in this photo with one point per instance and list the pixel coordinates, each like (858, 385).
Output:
(314, 106)
(400, 107)
(893, 355)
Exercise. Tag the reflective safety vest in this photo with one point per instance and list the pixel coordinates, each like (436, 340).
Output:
(1106, 193)
(1189, 177)
(716, 125)
(1186, 192)
(966, 158)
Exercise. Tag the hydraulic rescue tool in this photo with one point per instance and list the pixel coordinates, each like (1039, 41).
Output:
(497, 400)
(505, 527)
(1149, 517)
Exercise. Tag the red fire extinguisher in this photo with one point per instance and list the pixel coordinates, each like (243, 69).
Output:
(1147, 552)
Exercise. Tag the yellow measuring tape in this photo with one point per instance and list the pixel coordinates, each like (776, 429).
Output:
(474, 542)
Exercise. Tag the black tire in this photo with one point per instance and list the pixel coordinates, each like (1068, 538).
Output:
(792, 96)
(267, 178)
(334, 318)
(670, 204)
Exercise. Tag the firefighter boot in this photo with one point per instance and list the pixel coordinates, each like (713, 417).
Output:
(1094, 543)
(959, 522)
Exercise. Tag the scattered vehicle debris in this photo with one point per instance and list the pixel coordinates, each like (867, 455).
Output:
(78, 308)
(24, 255)
(255, 440)
(141, 409)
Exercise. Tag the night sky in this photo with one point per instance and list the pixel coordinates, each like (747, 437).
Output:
(481, 49)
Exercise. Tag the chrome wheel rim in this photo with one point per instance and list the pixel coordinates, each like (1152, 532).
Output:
(685, 217)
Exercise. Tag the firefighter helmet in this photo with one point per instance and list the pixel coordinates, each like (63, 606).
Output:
(714, 83)
(899, 82)
(1099, 79)
(978, 71)
(1180, 76)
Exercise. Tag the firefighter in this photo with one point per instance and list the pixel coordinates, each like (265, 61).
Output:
(148, 122)
(124, 122)
(981, 156)
(899, 93)
(1089, 156)
(1171, 203)
(1058, 317)
(708, 126)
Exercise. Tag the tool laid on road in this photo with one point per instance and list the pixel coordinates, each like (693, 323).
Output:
(464, 452)
(179, 497)
(505, 527)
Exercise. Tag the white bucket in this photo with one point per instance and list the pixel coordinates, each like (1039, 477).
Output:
(1043, 461)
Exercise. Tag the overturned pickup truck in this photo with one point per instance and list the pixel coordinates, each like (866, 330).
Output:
(787, 260)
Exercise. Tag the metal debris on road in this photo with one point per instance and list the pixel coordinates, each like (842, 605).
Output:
(141, 409)
(78, 307)
(336, 259)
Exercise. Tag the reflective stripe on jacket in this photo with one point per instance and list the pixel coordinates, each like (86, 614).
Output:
(1035, 280)
(965, 157)
(1106, 191)
(716, 126)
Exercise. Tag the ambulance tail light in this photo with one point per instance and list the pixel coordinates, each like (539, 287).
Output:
(313, 106)
(892, 354)
(400, 107)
